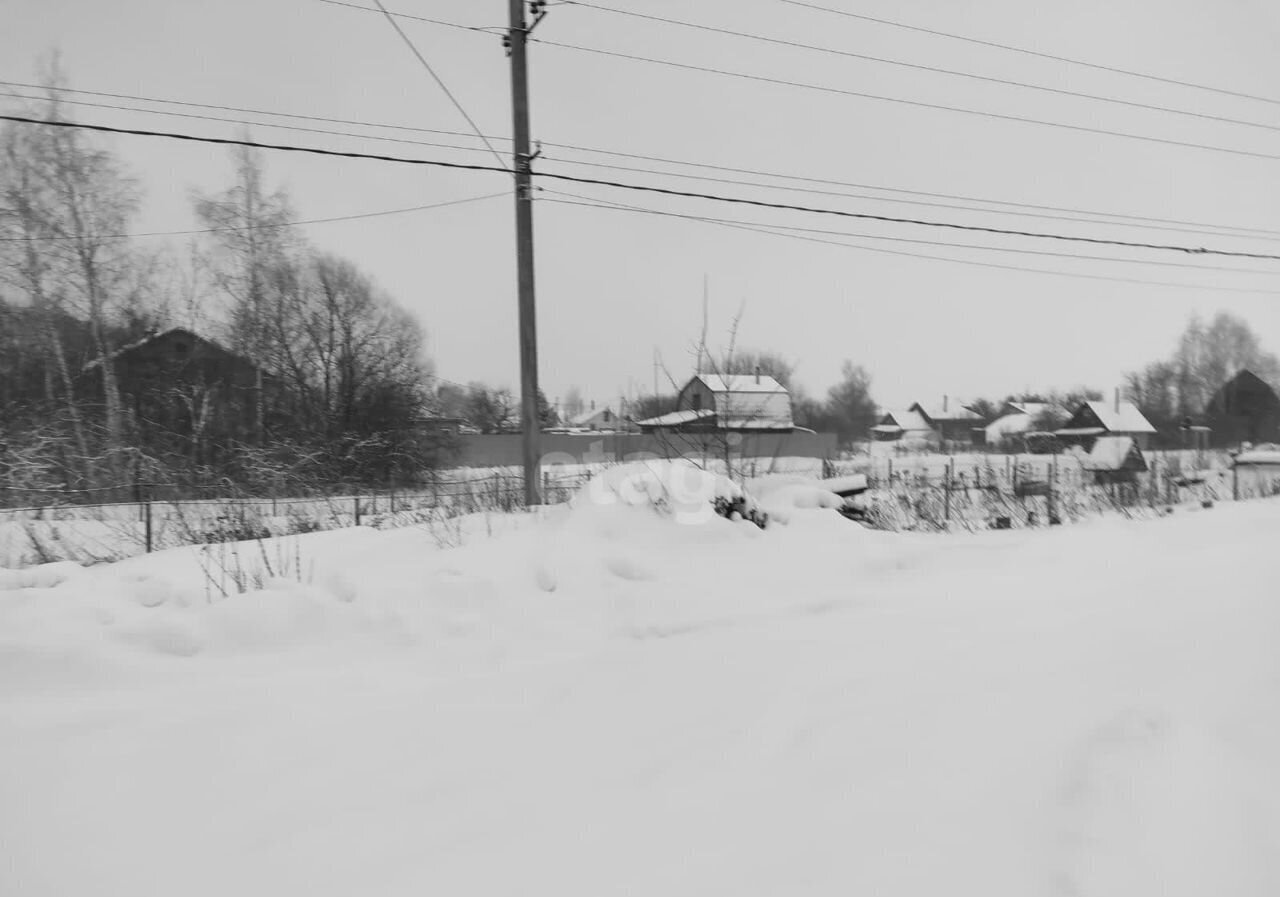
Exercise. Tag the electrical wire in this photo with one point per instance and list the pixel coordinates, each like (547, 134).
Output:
(1259, 235)
(482, 29)
(952, 245)
(257, 144)
(919, 104)
(440, 81)
(921, 255)
(658, 190)
(1008, 82)
(254, 124)
(1177, 225)
(240, 109)
(867, 216)
(1067, 59)
(215, 230)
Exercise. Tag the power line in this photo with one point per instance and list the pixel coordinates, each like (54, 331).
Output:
(224, 108)
(214, 230)
(920, 104)
(921, 255)
(1008, 82)
(944, 243)
(482, 29)
(255, 124)
(867, 216)
(987, 43)
(1179, 226)
(1194, 250)
(444, 87)
(1256, 235)
(257, 144)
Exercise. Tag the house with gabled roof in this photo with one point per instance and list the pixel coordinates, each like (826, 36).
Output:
(1016, 419)
(953, 420)
(594, 419)
(728, 402)
(1096, 419)
(907, 427)
(1244, 409)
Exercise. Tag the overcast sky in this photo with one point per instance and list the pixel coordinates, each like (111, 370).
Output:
(614, 286)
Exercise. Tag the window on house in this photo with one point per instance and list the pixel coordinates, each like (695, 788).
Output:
(697, 401)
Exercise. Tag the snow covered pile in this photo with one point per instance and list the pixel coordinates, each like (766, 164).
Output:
(604, 699)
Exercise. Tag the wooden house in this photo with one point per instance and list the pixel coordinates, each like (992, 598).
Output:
(737, 402)
(1244, 409)
(183, 391)
(1093, 420)
(905, 427)
(1114, 459)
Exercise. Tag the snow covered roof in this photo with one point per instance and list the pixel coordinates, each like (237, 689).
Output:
(740, 383)
(956, 409)
(1011, 424)
(1114, 453)
(1263, 456)
(1127, 419)
(908, 419)
(590, 415)
(676, 418)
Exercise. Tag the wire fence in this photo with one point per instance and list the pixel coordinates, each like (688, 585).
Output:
(940, 493)
(106, 531)
(925, 493)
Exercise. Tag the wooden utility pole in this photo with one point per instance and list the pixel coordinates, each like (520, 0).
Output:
(522, 160)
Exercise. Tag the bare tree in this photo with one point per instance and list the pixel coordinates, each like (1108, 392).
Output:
(251, 240)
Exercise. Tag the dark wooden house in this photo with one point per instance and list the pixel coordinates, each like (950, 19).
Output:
(182, 392)
(1244, 409)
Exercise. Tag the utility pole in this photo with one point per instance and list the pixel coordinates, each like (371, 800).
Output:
(522, 159)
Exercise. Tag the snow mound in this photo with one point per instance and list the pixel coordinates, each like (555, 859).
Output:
(781, 496)
(677, 489)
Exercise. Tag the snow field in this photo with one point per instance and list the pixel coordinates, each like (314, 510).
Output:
(606, 700)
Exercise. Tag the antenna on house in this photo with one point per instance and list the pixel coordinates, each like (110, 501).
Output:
(757, 373)
(702, 344)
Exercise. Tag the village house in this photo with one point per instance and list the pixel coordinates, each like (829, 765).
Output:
(1244, 409)
(1114, 459)
(178, 387)
(1095, 419)
(710, 402)
(905, 428)
(1014, 421)
(595, 419)
(950, 422)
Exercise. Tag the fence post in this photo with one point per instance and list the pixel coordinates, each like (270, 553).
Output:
(1235, 482)
(356, 502)
(146, 510)
(1053, 479)
(946, 489)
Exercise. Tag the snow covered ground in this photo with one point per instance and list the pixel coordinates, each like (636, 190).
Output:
(606, 700)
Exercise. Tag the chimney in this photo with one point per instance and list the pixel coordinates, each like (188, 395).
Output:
(593, 404)
(1117, 400)
(757, 373)
(944, 403)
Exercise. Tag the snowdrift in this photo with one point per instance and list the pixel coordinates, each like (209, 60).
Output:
(631, 695)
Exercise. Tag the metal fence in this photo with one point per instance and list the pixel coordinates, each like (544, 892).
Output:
(91, 533)
(941, 493)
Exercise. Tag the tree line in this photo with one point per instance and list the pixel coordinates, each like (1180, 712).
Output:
(341, 367)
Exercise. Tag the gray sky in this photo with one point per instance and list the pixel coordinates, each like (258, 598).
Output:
(613, 285)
